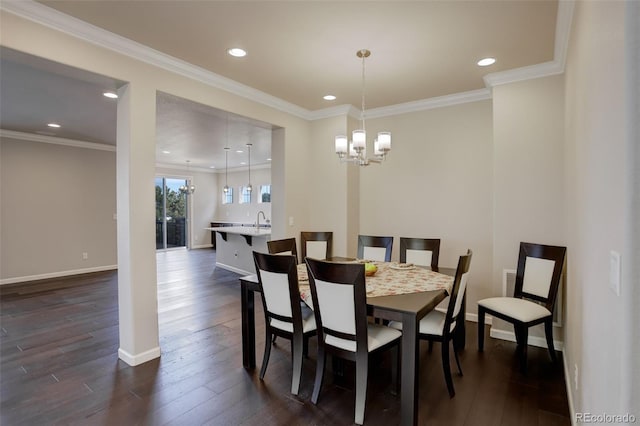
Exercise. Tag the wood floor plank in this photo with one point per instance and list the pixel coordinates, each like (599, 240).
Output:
(59, 364)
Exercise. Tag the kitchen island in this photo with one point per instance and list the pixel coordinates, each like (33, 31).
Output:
(235, 246)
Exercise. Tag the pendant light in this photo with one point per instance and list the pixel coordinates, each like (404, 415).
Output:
(226, 155)
(188, 189)
(249, 187)
(226, 169)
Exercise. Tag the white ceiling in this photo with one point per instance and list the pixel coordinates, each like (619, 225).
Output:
(297, 52)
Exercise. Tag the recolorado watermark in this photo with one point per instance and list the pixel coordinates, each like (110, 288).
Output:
(605, 418)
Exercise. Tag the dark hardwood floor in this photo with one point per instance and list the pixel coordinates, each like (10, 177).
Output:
(59, 364)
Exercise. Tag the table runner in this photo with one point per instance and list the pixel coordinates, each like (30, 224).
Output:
(388, 281)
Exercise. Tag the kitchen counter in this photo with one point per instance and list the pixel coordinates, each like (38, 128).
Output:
(235, 246)
(242, 230)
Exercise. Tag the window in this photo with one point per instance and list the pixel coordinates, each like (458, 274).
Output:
(265, 194)
(245, 195)
(227, 198)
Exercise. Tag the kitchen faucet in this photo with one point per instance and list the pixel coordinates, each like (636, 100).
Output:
(258, 219)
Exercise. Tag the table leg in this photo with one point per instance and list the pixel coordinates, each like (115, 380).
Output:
(410, 370)
(248, 327)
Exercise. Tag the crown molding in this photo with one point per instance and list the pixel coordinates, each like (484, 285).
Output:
(564, 20)
(545, 69)
(33, 137)
(182, 168)
(431, 103)
(336, 111)
(51, 18)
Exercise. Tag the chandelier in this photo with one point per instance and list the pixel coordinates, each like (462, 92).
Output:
(187, 188)
(356, 151)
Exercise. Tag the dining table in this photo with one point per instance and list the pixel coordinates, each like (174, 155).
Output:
(396, 292)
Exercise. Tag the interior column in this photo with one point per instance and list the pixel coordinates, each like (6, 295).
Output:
(137, 281)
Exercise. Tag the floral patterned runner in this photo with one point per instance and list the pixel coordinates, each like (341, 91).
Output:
(391, 278)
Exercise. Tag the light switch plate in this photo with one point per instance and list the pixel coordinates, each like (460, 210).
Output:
(615, 272)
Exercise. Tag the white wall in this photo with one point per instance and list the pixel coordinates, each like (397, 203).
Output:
(529, 173)
(57, 202)
(237, 212)
(600, 191)
(437, 182)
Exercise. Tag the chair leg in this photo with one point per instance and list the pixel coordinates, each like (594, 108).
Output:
(362, 370)
(446, 367)
(480, 328)
(305, 346)
(455, 354)
(430, 346)
(319, 374)
(273, 340)
(524, 336)
(296, 352)
(267, 353)
(548, 331)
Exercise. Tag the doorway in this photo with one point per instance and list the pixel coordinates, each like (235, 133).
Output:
(171, 213)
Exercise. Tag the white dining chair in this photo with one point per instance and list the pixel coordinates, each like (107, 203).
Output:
(536, 287)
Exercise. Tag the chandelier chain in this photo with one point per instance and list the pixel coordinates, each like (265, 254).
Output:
(363, 89)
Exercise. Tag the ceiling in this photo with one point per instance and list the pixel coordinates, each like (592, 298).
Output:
(297, 52)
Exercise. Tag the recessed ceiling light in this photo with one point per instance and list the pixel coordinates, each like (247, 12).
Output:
(237, 52)
(212, 167)
(268, 159)
(166, 152)
(110, 95)
(239, 151)
(329, 98)
(486, 62)
(54, 125)
(243, 163)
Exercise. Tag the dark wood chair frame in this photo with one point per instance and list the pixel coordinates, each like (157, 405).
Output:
(283, 245)
(374, 241)
(430, 244)
(351, 275)
(521, 329)
(316, 236)
(284, 264)
(447, 334)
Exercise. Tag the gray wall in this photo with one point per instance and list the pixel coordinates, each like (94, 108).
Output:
(58, 202)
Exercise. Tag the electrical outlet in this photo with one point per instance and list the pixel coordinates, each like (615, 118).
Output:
(290, 220)
(85, 255)
(575, 376)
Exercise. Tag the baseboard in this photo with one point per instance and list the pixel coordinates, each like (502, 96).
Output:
(567, 383)
(138, 359)
(202, 246)
(488, 320)
(234, 269)
(537, 341)
(57, 274)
